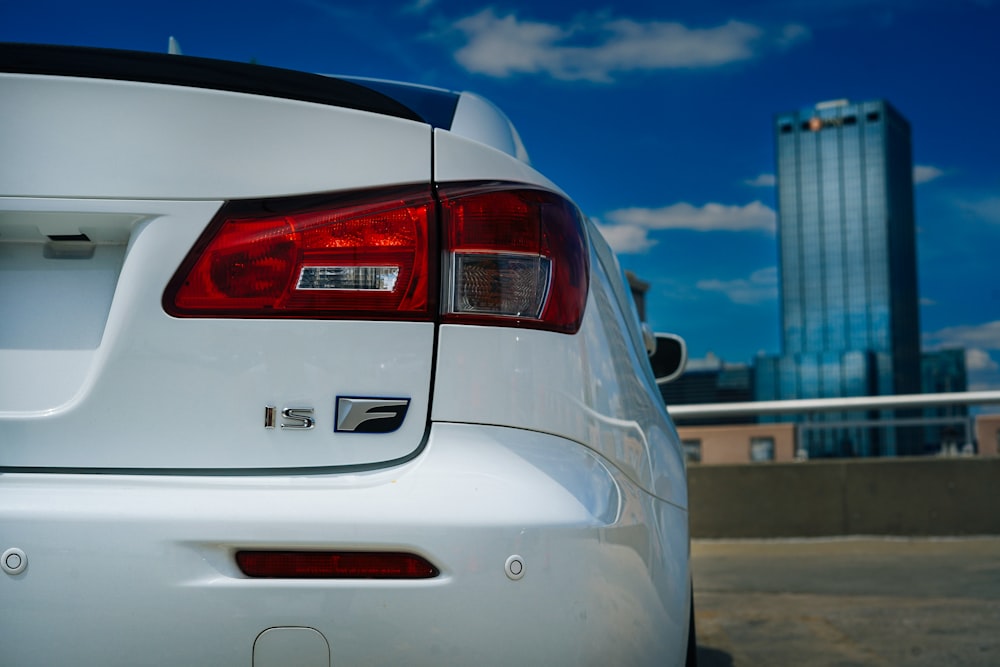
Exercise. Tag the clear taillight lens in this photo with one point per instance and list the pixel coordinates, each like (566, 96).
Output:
(361, 256)
(513, 255)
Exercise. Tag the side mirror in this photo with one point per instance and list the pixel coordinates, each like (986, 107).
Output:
(669, 359)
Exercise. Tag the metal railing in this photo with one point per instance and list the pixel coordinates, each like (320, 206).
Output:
(853, 433)
(853, 403)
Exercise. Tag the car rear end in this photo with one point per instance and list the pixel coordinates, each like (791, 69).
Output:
(295, 371)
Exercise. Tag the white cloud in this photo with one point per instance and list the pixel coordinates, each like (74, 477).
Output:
(596, 48)
(983, 370)
(627, 239)
(418, 6)
(762, 285)
(977, 360)
(710, 217)
(981, 343)
(983, 336)
(762, 181)
(791, 34)
(925, 301)
(987, 209)
(923, 173)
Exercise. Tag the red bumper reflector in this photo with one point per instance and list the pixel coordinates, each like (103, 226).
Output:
(334, 565)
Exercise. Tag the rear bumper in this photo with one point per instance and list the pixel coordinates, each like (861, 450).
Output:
(140, 570)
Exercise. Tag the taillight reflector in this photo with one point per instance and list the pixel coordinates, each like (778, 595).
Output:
(366, 256)
(514, 255)
(334, 565)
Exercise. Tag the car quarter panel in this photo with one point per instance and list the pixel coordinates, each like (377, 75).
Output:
(458, 159)
(594, 387)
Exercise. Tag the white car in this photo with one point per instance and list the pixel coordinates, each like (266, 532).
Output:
(301, 370)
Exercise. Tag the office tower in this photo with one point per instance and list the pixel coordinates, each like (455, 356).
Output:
(848, 267)
(949, 427)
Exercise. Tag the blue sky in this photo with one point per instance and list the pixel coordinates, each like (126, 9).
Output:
(656, 118)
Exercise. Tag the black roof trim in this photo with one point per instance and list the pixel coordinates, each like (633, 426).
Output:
(435, 106)
(195, 72)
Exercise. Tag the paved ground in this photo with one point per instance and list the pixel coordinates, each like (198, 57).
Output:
(850, 601)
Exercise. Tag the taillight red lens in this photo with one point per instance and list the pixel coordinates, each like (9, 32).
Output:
(363, 256)
(334, 565)
(515, 255)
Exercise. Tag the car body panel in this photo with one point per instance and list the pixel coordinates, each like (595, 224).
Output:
(125, 140)
(133, 400)
(457, 158)
(145, 378)
(479, 119)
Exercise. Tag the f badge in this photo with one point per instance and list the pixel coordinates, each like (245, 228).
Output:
(370, 415)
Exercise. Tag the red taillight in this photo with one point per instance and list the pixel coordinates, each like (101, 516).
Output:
(363, 256)
(334, 565)
(515, 256)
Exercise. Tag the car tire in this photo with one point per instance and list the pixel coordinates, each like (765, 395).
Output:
(692, 645)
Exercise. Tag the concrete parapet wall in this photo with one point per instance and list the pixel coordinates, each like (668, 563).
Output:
(904, 497)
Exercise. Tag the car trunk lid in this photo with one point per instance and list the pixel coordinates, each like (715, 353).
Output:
(106, 188)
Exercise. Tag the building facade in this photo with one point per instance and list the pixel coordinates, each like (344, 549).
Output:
(710, 381)
(849, 305)
(948, 428)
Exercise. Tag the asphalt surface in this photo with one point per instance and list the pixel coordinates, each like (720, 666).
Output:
(848, 601)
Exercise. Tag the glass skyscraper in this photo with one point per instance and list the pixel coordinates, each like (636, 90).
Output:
(848, 267)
